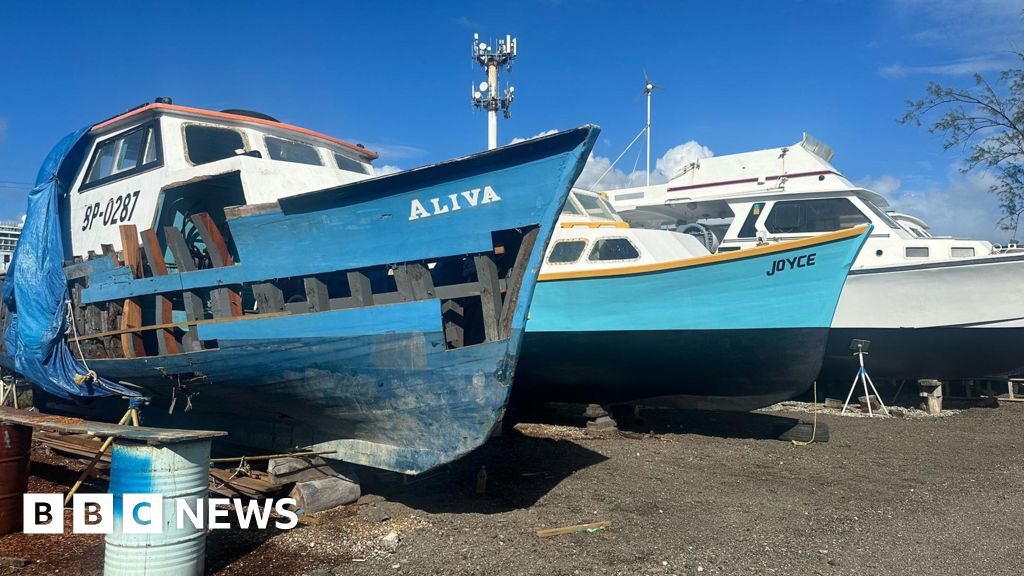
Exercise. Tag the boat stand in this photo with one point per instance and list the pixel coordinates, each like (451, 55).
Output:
(863, 378)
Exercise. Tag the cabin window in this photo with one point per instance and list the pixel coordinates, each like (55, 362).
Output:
(962, 252)
(748, 230)
(594, 206)
(613, 249)
(291, 151)
(123, 155)
(205, 144)
(346, 163)
(567, 251)
(916, 252)
(818, 215)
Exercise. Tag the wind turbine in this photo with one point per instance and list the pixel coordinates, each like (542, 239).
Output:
(648, 88)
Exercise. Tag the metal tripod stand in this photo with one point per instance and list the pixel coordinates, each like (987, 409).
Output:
(861, 347)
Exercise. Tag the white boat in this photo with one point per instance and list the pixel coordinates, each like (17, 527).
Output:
(932, 306)
(9, 234)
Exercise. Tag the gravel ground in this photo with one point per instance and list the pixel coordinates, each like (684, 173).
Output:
(687, 493)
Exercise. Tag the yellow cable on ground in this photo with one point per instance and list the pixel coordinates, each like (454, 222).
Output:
(814, 410)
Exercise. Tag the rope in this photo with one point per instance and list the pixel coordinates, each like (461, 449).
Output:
(90, 375)
(814, 409)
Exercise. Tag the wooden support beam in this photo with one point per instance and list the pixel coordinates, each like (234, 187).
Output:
(225, 301)
(317, 296)
(181, 325)
(453, 316)
(414, 282)
(166, 342)
(216, 247)
(183, 260)
(131, 342)
(269, 298)
(515, 281)
(490, 295)
(360, 287)
(194, 308)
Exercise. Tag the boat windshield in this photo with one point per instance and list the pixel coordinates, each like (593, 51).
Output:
(881, 214)
(813, 215)
(595, 207)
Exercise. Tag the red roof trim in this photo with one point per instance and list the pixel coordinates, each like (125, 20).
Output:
(746, 180)
(238, 118)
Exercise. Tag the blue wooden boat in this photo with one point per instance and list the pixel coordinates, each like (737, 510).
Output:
(624, 315)
(280, 292)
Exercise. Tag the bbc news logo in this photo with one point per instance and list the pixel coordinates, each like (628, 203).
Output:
(150, 513)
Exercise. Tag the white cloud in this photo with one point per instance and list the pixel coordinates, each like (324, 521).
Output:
(23, 216)
(667, 166)
(972, 27)
(517, 139)
(385, 169)
(884, 185)
(962, 67)
(3, 129)
(963, 207)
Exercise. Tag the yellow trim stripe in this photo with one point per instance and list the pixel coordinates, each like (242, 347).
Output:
(711, 258)
(594, 225)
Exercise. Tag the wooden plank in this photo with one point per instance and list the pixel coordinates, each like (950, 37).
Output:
(574, 529)
(131, 341)
(183, 260)
(490, 295)
(414, 282)
(216, 247)
(515, 281)
(269, 298)
(166, 342)
(152, 436)
(317, 296)
(360, 287)
(453, 316)
(130, 249)
(225, 301)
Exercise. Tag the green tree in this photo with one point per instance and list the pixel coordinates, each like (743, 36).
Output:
(987, 122)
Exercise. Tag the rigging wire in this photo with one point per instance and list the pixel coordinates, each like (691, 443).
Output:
(637, 137)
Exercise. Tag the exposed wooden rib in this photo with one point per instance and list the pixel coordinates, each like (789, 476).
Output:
(131, 342)
(225, 301)
(215, 244)
(359, 285)
(192, 302)
(164, 308)
(490, 295)
(179, 249)
(453, 316)
(317, 297)
(515, 281)
(269, 298)
(414, 282)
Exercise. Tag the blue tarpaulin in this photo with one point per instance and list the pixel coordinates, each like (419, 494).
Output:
(36, 291)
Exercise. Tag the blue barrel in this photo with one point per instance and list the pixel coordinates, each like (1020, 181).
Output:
(177, 471)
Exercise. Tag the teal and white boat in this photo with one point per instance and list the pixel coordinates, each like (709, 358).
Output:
(625, 315)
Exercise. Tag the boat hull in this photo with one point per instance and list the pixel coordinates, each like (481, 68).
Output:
(719, 333)
(949, 320)
(402, 359)
(695, 369)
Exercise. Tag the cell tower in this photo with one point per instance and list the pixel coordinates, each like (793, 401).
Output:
(486, 95)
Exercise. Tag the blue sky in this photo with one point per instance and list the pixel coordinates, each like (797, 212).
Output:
(737, 76)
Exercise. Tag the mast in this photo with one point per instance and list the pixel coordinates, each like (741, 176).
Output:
(486, 95)
(648, 88)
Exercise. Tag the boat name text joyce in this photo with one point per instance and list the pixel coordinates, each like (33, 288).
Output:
(452, 203)
(782, 264)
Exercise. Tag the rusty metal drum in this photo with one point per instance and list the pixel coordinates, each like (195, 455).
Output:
(15, 451)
